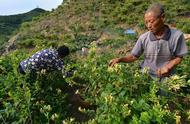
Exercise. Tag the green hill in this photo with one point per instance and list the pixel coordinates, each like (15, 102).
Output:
(80, 22)
(120, 95)
(9, 24)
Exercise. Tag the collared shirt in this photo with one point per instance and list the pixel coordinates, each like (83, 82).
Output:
(46, 59)
(158, 52)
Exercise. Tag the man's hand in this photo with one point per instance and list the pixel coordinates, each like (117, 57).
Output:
(113, 62)
(126, 59)
(163, 72)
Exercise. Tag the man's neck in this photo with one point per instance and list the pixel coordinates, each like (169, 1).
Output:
(161, 32)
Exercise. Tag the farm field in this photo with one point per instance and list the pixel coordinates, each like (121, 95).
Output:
(118, 95)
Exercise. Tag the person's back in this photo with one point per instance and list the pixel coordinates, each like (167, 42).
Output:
(48, 59)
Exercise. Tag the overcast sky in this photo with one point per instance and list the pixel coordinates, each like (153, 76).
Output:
(10, 7)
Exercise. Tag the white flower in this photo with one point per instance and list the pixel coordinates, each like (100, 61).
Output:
(110, 69)
(81, 110)
(58, 91)
(41, 110)
(146, 70)
(132, 102)
(77, 92)
(54, 116)
(48, 107)
(175, 77)
(43, 71)
(72, 119)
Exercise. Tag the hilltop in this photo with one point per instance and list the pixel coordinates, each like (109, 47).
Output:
(10, 23)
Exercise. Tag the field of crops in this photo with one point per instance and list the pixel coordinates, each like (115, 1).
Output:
(119, 95)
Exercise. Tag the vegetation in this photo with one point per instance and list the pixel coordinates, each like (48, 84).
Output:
(122, 94)
(9, 24)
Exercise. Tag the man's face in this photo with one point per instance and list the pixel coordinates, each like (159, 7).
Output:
(153, 23)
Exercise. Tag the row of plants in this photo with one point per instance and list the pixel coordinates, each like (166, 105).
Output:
(35, 98)
(122, 94)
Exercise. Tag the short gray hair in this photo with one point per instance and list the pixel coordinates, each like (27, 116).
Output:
(157, 8)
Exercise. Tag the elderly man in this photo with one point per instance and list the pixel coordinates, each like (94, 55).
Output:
(163, 47)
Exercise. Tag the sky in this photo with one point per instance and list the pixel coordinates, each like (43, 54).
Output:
(11, 7)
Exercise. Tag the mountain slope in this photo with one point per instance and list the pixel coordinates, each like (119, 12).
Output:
(9, 24)
(80, 22)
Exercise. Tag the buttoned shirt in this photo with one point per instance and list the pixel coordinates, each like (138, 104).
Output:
(158, 52)
(47, 59)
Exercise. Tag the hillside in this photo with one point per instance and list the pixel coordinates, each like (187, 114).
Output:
(81, 22)
(119, 95)
(11, 23)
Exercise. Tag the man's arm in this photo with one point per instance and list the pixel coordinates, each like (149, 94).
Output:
(171, 64)
(134, 55)
(179, 51)
(126, 59)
